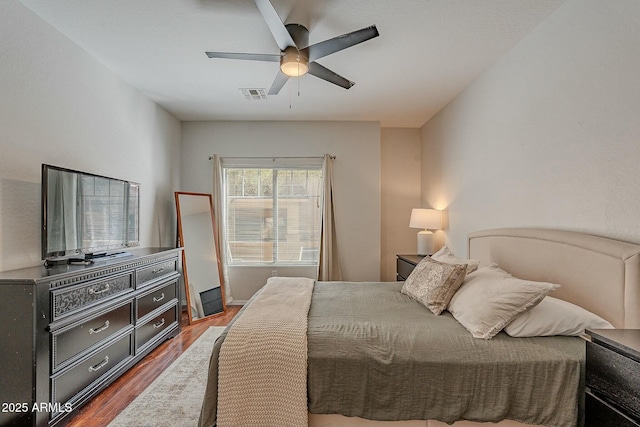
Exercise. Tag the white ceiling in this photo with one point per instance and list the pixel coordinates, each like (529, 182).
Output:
(428, 51)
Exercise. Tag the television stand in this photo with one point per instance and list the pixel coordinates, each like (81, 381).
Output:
(88, 259)
(106, 256)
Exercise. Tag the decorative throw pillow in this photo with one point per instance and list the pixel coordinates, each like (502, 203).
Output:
(445, 255)
(553, 316)
(433, 283)
(490, 298)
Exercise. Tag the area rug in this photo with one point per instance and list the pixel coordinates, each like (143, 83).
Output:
(174, 398)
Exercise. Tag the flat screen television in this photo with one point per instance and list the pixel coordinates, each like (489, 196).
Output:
(86, 216)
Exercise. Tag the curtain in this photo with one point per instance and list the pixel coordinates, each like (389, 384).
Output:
(329, 264)
(218, 213)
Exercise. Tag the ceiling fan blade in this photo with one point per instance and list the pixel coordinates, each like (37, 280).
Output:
(324, 73)
(277, 84)
(277, 28)
(338, 43)
(248, 56)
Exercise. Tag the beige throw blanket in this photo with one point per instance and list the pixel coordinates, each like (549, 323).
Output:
(263, 360)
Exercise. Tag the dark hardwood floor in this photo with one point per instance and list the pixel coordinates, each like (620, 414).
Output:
(103, 408)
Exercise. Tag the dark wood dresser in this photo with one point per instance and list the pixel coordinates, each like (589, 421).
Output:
(69, 331)
(405, 265)
(613, 378)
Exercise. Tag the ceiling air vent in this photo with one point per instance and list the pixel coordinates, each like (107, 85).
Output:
(254, 94)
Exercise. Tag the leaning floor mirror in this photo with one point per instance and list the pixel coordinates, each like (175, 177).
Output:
(201, 265)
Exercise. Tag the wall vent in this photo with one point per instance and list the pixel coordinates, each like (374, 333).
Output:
(254, 94)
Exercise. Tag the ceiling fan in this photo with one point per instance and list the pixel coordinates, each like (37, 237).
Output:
(296, 57)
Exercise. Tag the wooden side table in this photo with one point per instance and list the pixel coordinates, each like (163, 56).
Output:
(612, 397)
(405, 265)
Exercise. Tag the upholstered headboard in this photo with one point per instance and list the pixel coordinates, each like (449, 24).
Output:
(599, 274)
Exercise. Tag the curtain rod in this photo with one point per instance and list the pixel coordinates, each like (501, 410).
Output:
(278, 157)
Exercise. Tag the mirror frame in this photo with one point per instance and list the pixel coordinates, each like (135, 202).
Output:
(180, 243)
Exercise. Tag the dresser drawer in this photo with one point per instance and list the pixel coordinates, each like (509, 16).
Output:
(155, 299)
(70, 299)
(403, 268)
(146, 332)
(69, 383)
(72, 340)
(613, 377)
(147, 275)
(600, 414)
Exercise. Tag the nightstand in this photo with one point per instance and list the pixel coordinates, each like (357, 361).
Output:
(405, 265)
(612, 379)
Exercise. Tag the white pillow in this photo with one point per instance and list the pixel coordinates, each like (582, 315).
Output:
(553, 316)
(490, 298)
(445, 255)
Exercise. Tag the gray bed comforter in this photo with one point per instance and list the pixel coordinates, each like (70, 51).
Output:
(376, 354)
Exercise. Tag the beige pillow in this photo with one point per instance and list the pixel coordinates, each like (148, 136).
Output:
(490, 298)
(433, 283)
(445, 255)
(553, 316)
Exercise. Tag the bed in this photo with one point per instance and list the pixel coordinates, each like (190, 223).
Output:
(599, 274)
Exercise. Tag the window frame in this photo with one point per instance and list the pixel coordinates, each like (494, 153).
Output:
(276, 165)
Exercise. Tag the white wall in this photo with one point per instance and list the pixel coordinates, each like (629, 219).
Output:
(59, 105)
(400, 187)
(356, 174)
(550, 135)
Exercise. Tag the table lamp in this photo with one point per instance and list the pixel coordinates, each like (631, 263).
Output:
(426, 219)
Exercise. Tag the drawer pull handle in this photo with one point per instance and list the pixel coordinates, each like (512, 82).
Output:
(158, 299)
(159, 324)
(100, 329)
(160, 270)
(93, 291)
(99, 365)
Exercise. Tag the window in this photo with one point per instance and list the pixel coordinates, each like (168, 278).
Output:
(272, 215)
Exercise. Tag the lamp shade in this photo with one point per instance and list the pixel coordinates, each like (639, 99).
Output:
(427, 219)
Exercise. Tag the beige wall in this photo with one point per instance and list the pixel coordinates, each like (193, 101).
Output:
(549, 136)
(400, 192)
(356, 173)
(59, 105)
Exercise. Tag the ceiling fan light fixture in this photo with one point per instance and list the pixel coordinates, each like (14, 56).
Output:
(294, 63)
